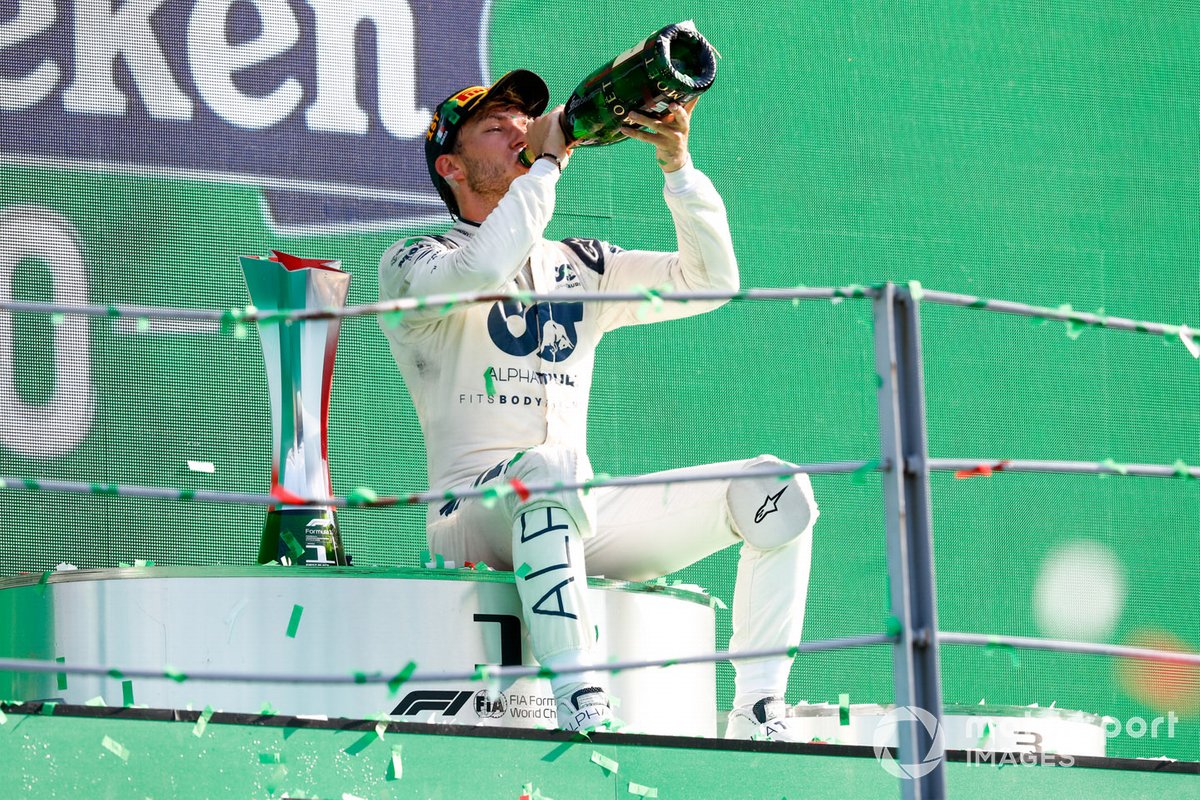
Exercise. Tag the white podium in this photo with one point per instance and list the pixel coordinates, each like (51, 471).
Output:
(353, 620)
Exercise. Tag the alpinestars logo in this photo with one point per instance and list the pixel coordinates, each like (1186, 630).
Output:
(548, 329)
(769, 506)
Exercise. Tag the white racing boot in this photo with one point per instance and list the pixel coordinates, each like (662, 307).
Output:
(766, 720)
(585, 708)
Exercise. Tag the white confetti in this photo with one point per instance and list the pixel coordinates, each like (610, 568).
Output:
(1185, 336)
(116, 748)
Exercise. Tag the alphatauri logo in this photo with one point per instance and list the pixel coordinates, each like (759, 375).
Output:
(548, 329)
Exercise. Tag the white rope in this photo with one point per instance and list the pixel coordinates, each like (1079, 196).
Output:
(368, 498)
(435, 301)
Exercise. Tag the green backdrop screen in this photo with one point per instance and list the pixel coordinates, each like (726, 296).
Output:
(1045, 153)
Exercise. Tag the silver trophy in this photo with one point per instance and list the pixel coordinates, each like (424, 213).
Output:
(299, 358)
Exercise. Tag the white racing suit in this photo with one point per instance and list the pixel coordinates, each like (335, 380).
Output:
(501, 390)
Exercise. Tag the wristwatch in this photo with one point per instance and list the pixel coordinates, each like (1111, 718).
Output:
(552, 157)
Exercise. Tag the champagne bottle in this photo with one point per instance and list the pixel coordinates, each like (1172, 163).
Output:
(673, 65)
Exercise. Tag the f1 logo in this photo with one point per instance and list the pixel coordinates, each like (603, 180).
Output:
(448, 702)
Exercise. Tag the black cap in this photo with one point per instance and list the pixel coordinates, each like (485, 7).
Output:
(456, 109)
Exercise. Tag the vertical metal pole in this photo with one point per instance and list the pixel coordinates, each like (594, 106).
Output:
(904, 448)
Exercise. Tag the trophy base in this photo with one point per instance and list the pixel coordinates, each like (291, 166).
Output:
(302, 535)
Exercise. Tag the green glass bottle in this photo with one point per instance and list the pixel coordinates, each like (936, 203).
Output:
(674, 65)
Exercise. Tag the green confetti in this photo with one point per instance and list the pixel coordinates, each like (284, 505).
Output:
(396, 765)
(489, 384)
(546, 672)
(605, 762)
(202, 722)
(916, 290)
(653, 300)
(57, 319)
(987, 734)
(494, 493)
(362, 743)
(993, 648)
(294, 622)
(978, 302)
(48, 709)
(142, 325)
(401, 677)
(393, 318)
(43, 582)
(892, 625)
(127, 693)
(116, 748)
(523, 570)
(187, 494)
(597, 480)
(174, 674)
(270, 758)
(1182, 470)
(62, 676)
(1115, 467)
(860, 475)
(114, 312)
(293, 546)
(362, 495)
(32, 485)
(1074, 326)
(642, 791)
(104, 488)
(844, 708)
(266, 709)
